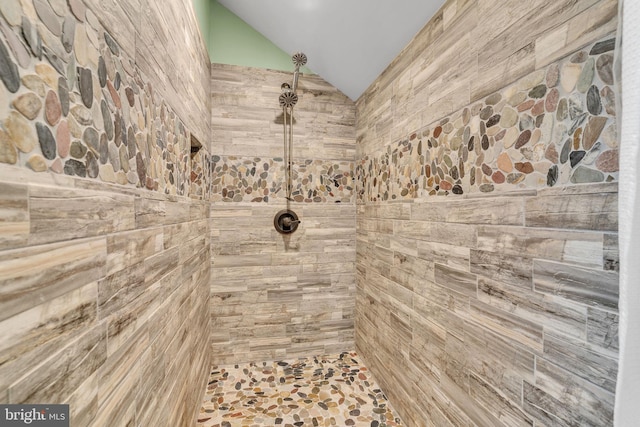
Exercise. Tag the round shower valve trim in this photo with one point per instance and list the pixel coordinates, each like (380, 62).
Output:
(286, 221)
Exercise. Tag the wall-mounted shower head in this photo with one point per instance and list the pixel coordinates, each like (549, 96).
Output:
(299, 59)
(288, 98)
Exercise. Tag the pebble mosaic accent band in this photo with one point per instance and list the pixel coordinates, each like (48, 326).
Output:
(74, 104)
(239, 179)
(333, 390)
(554, 127)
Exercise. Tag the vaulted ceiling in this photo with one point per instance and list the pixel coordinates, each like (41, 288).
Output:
(348, 42)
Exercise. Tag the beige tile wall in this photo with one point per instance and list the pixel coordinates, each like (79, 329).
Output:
(275, 296)
(495, 310)
(246, 119)
(468, 50)
(103, 305)
(104, 287)
(485, 309)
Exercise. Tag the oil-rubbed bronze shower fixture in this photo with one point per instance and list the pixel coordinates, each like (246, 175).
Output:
(287, 100)
(286, 221)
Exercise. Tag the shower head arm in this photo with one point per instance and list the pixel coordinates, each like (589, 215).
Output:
(294, 85)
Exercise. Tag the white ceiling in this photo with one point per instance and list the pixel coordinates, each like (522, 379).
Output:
(348, 42)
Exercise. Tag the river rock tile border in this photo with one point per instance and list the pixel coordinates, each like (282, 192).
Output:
(73, 103)
(334, 390)
(200, 175)
(554, 127)
(241, 179)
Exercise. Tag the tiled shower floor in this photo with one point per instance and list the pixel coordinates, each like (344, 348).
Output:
(332, 390)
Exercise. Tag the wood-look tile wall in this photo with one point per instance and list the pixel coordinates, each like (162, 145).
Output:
(103, 306)
(471, 49)
(104, 288)
(246, 119)
(486, 309)
(274, 296)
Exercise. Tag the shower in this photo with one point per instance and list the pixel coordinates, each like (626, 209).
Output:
(286, 221)
(289, 98)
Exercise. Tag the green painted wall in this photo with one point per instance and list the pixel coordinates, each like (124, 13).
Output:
(230, 40)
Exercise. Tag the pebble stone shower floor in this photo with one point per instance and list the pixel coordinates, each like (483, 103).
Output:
(335, 390)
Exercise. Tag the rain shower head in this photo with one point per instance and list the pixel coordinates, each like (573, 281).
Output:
(299, 59)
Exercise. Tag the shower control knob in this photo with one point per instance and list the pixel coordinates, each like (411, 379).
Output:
(286, 221)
